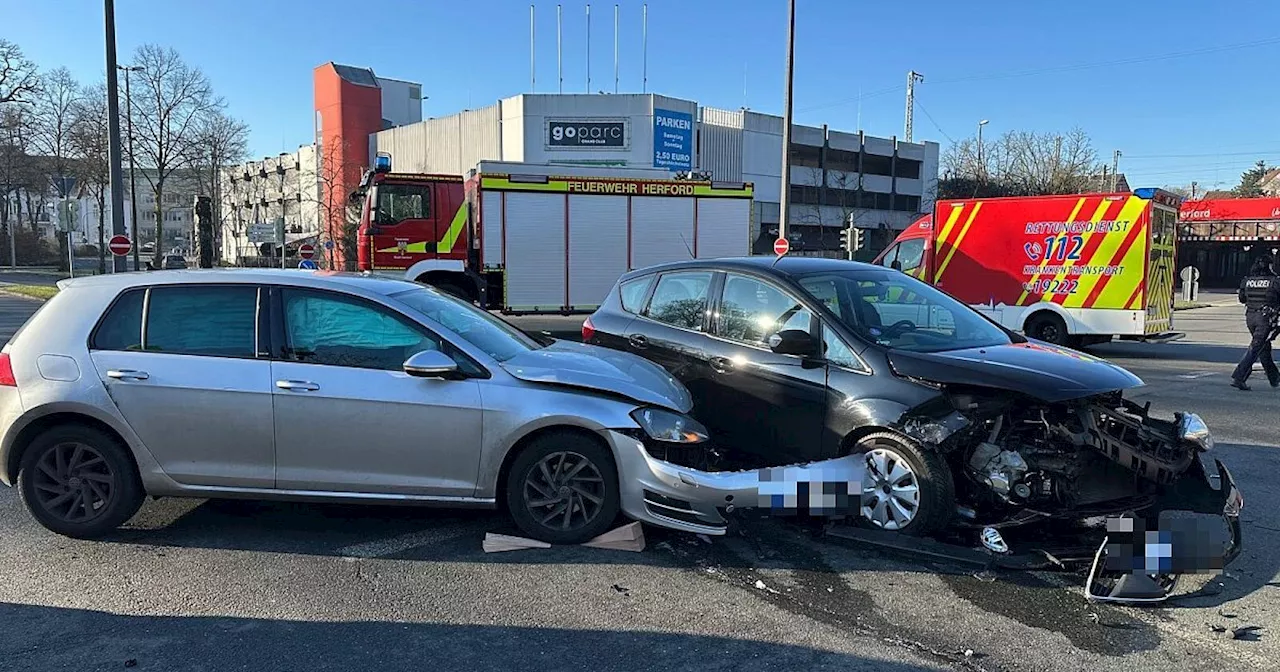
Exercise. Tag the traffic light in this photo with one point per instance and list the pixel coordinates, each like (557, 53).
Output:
(857, 239)
(851, 240)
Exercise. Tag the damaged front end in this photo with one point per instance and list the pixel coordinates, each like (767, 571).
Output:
(1017, 460)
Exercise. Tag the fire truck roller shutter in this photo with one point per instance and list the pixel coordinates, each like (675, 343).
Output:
(535, 228)
(491, 211)
(597, 247)
(722, 227)
(661, 230)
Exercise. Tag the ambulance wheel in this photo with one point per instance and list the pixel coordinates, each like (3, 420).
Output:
(1048, 327)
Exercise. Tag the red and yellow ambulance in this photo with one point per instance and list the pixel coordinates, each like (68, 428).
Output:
(1072, 269)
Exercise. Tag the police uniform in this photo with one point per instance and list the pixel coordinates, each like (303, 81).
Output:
(1260, 292)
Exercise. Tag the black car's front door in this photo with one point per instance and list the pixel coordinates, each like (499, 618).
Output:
(672, 330)
(765, 404)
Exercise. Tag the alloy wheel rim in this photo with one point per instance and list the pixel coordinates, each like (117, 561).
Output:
(564, 491)
(73, 482)
(891, 493)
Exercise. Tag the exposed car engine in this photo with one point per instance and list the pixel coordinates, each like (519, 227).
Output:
(1093, 456)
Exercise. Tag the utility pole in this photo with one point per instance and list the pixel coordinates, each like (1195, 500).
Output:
(559, 60)
(615, 48)
(784, 196)
(133, 193)
(533, 56)
(588, 48)
(982, 164)
(1115, 167)
(1194, 184)
(912, 78)
(644, 48)
(113, 132)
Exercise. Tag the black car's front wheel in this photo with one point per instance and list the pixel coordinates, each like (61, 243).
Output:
(906, 487)
(79, 482)
(563, 489)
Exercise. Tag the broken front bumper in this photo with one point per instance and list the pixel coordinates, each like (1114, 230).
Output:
(1135, 565)
(681, 498)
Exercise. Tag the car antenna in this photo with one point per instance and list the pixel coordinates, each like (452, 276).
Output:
(686, 246)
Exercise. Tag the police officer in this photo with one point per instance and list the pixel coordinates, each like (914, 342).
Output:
(1260, 292)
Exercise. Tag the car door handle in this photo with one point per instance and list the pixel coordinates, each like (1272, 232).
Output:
(638, 341)
(721, 364)
(297, 385)
(127, 374)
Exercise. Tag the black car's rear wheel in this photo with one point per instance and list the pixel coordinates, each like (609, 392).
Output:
(79, 482)
(563, 489)
(906, 488)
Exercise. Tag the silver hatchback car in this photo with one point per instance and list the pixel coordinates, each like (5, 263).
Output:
(319, 386)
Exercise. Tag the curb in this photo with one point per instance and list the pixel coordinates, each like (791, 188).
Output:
(37, 299)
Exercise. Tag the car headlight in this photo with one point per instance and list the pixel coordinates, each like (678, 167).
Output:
(663, 425)
(1192, 429)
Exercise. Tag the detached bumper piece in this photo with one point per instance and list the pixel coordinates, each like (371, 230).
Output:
(1134, 565)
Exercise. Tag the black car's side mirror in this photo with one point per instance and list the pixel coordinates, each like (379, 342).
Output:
(793, 342)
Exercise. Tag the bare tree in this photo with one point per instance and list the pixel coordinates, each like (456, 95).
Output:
(223, 141)
(20, 170)
(19, 79)
(1020, 163)
(338, 202)
(172, 99)
(90, 139)
(57, 113)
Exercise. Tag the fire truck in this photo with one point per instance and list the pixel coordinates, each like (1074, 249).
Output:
(1071, 270)
(529, 238)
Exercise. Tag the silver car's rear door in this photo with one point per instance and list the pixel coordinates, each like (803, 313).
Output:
(348, 419)
(189, 382)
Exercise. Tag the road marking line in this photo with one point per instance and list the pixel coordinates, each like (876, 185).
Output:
(392, 545)
(1198, 374)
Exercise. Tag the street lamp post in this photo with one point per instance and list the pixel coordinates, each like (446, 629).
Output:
(784, 197)
(133, 193)
(980, 160)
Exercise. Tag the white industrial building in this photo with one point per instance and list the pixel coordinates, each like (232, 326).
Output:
(880, 184)
(255, 195)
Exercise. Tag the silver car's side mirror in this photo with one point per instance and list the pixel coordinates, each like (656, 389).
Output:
(431, 364)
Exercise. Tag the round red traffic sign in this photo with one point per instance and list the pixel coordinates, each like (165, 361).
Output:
(120, 245)
(306, 251)
(781, 246)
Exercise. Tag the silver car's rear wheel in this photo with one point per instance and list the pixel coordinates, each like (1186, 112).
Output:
(73, 482)
(891, 495)
(79, 481)
(564, 491)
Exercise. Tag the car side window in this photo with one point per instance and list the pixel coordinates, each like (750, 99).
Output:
(838, 352)
(751, 311)
(334, 330)
(680, 299)
(210, 320)
(121, 327)
(632, 293)
(910, 254)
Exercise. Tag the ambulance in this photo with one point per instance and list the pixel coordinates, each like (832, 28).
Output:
(531, 238)
(1071, 270)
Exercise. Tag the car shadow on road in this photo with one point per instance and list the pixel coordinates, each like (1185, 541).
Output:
(47, 638)
(1178, 352)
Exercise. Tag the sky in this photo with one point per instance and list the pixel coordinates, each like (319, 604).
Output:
(1180, 87)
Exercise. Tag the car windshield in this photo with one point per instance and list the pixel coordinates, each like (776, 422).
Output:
(494, 337)
(897, 311)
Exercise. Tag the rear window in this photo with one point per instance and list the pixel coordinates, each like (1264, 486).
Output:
(632, 293)
(217, 321)
(121, 327)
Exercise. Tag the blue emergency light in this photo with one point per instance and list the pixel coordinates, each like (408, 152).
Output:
(382, 163)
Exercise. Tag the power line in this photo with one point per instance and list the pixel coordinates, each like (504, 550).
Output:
(935, 123)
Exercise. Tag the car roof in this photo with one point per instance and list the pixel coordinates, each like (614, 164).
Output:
(786, 266)
(273, 276)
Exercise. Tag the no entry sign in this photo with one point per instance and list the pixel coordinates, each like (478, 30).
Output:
(306, 251)
(781, 246)
(119, 245)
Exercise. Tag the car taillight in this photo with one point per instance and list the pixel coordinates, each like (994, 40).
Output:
(588, 330)
(6, 371)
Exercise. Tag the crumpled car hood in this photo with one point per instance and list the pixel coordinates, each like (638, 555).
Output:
(1046, 372)
(596, 368)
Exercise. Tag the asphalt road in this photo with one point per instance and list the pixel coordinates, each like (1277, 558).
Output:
(194, 585)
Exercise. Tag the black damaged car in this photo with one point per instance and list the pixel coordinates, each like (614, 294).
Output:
(960, 421)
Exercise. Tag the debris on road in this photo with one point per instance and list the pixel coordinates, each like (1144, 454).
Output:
(1227, 614)
(132, 662)
(629, 537)
(1248, 633)
(622, 589)
(497, 543)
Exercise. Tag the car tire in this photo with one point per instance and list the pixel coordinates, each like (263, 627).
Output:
(583, 482)
(1048, 327)
(934, 490)
(97, 478)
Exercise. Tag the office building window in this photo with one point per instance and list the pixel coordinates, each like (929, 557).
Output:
(806, 156)
(842, 160)
(909, 168)
(903, 203)
(805, 195)
(873, 164)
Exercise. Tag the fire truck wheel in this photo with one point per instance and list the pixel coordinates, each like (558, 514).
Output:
(1048, 327)
(562, 488)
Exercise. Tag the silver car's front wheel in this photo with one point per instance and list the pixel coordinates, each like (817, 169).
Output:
(562, 488)
(891, 494)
